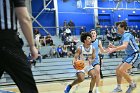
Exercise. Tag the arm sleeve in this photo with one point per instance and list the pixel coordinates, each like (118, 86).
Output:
(127, 37)
(19, 3)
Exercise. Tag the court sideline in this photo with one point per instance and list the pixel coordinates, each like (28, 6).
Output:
(107, 85)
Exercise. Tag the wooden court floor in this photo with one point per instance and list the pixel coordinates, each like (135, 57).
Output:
(107, 85)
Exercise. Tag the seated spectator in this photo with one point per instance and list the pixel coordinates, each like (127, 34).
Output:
(109, 35)
(82, 29)
(113, 31)
(68, 31)
(65, 51)
(49, 40)
(46, 40)
(35, 32)
(53, 52)
(74, 42)
(72, 50)
(60, 51)
(44, 56)
(64, 36)
(66, 41)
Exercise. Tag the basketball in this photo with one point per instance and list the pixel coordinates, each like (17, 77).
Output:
(79, 64)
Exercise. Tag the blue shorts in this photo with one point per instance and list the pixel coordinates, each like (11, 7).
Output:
(96, 62)
(132, 59)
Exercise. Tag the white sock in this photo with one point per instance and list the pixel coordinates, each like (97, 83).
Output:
(97, 88)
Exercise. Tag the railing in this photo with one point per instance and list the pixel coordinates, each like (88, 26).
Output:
(57, 30)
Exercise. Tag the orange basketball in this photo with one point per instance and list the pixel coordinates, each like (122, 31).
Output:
(79, 64)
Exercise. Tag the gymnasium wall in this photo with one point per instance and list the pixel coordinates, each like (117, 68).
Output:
(85, 17)
(109, 17)
(81, 17)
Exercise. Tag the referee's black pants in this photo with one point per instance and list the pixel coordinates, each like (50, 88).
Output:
(14, 62)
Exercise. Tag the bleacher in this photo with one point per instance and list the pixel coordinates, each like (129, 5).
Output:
(52, 69)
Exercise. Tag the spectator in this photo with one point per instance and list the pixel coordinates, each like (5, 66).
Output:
(53, 52)
(113, 31)
(60, 51)
(68, 31)
(37, 41)
(82, 29)
(65, 51)
(64, 36)
(72, 50)
(35, 32)
(65, 24)
(72, 27)
(61, 32)
(46, 40)
(66, 42)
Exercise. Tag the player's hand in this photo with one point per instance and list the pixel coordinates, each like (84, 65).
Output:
(111, 50)
(111, 45)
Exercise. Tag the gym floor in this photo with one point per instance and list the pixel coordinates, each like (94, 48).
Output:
(107, 85)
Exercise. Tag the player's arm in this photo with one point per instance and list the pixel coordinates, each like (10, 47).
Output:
(102, 50)
(77, 54)
(118, 48)
(93, 54)
(121, 47)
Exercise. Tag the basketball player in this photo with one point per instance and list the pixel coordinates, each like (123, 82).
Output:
(128, 43)
(12, 58)
(84, 52)
(96, 43)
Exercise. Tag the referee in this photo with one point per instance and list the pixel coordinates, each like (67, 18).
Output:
(12, 58)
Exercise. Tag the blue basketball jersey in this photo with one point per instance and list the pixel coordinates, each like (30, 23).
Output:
(95, 44)
(132, 46)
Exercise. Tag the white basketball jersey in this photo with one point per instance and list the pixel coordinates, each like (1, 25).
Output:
(86, 53)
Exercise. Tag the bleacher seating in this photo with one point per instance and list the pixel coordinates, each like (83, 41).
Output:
(62, 69)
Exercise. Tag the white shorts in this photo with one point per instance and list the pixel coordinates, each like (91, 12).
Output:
(86, 69)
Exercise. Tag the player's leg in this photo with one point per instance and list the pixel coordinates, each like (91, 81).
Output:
(97, 73)
(93, 80)
(80, 78)
(128, 63)
(119, 79)
(124, 69)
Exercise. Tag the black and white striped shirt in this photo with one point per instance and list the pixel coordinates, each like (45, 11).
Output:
(8, 20)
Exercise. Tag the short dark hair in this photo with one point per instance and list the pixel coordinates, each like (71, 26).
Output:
(122, 24)
(84, 36)
(92, 30)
